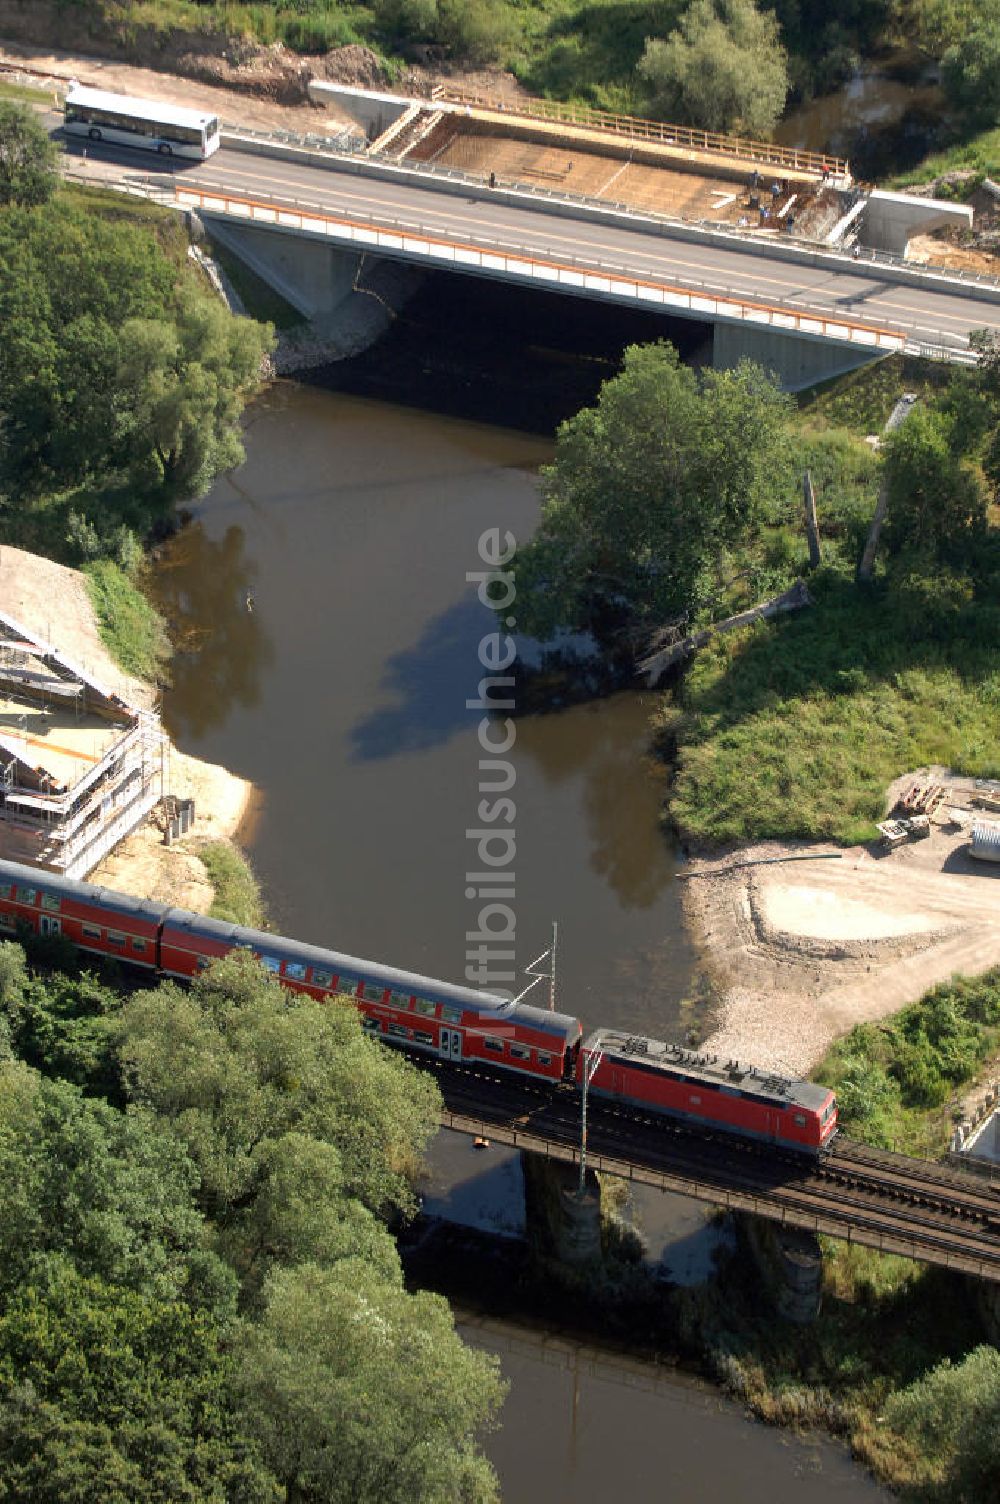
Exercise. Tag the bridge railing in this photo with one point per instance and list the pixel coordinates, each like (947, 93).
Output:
(435, 171)
(766, 153)
(552, 267)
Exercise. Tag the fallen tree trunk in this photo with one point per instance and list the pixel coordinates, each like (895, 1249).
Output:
(657, 663)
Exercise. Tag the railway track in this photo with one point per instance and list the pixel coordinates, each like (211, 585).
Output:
(871, 1196)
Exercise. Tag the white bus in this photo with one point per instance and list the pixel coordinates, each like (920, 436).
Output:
(125, 121)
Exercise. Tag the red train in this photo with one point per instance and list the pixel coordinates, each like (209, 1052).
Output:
(665, 1078)
(423, 1015)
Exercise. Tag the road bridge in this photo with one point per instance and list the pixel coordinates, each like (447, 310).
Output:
(890, 1202)
(804, 311)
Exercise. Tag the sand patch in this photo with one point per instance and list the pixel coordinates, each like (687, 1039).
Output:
(824, 915)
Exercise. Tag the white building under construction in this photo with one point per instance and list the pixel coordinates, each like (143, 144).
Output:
(79, 768)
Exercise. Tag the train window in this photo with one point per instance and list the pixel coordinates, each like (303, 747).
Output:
(373, 991)
(26, 895)
(92, 931)
(6, 891)
(451, 1015)
(51, 902)
(270, 963)
(295, 971)
(8, 923)
(202, 963)
(422, 1036)
(399, 999)
(399, 1031)
(138, 943)
(116, 937)
(519, 1052)
(322, 978)
(800, 1120)
(347, 985)
(493, 1044)
(828, 1111)
(424, 1006)
(372, 1025)
(544, 1059)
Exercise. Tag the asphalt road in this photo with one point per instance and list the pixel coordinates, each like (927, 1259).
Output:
(928, 313)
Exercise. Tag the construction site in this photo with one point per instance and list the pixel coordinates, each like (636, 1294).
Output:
(79, 767)
(636, 164)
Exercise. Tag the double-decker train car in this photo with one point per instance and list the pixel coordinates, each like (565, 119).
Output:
(667, 1079)
(401, 1007)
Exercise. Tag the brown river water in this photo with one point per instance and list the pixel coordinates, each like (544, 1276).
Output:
(341, 694)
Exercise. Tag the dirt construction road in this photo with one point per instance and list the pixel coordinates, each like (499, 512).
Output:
(800, 951)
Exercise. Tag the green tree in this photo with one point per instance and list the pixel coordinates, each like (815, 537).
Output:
(27, 158)
(936, 501)
(237, 1062)
(936, 25)
(953, 1414)
(112, 369)
(301, 1214)
(109, 1394)
(970, 73)
(181, 385)
(724, 68)
(649, 489)
(359, 1393)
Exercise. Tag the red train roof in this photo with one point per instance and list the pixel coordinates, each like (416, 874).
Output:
(657, 1054)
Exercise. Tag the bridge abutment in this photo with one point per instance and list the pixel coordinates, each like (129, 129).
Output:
(316, 278)
(796, 362)
(790, 1263)
(560, 1224)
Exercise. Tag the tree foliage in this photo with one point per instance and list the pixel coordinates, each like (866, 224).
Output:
(970, 73)
(111, 1191)
(110, 365)
(953, 1412)
(27, 158)
(649, 489)
(114, 1394)
(268, 1137)
(724, 68)
(237, 1063)
(937, 504)
(362, 1394)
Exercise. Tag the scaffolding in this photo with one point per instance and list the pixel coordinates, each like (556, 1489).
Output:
(80, 768)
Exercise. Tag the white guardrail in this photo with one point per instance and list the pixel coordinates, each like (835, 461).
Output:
(551, 268)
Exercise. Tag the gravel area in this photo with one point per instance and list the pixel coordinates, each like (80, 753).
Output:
(801, 951)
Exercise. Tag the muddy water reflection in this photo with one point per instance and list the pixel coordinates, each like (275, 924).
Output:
(342, 696)
(585, 1427)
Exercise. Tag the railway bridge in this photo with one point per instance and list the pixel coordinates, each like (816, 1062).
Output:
(882, 1200)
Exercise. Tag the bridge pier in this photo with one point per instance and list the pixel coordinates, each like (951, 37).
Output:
(796, 362)
(560, 1225)
(987, 1297)
(790, 1263)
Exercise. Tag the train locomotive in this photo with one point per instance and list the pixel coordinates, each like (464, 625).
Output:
(665, 1078)
(426, 1016)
